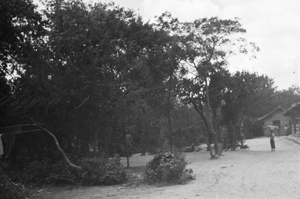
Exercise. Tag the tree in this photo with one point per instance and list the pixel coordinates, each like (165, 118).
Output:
(20, 27)
(284, 98)
(20, 24)
(244, 93)
(208, 44)
(98, 65)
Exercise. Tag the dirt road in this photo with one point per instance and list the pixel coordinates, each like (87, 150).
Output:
(253, 173)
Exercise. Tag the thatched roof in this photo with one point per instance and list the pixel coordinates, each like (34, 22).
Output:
(270, 113)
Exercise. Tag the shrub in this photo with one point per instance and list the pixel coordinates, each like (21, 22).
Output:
(96, 171)
(61, 174)
(37, 172)
(11, 190)
(103, 171)
(46, 172)
(168, 169)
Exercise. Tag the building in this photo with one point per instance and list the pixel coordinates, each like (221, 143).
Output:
(276, 120)
(294, 113)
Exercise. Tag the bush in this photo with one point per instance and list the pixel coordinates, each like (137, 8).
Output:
(103, 171)
(61, 174)
(11, 190)
(45, 172)
(168, 169)
(96, 171)
(37, 172)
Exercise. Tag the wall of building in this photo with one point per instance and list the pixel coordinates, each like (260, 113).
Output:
(278, 115)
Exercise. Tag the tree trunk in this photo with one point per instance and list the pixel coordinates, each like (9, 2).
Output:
(127, 152)
(84, 146)
(169, 113)
(209, 134)
(107, 142)
(96, 141)
(170, 136)
(210, 123)
(143, 139)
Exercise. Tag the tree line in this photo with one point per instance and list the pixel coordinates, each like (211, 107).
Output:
(93, 72)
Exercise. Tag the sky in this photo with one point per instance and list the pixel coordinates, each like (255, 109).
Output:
(274, 25)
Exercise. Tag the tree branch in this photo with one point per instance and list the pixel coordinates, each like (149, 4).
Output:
(73, 166)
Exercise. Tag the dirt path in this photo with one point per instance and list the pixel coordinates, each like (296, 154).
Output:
(253, 173)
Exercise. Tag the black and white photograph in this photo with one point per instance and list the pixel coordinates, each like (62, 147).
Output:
(149, 99)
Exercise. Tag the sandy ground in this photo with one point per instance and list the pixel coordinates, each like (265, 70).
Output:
(253, 173)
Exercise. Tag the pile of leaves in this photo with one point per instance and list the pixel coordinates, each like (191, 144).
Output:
(168, 169)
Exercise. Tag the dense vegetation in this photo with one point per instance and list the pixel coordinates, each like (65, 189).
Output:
(168, 169)
(91, 73)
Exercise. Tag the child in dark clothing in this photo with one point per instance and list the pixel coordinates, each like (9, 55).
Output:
(272, 141)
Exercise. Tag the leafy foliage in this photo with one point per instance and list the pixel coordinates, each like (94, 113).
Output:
(96, 171)
(103, 171)
(45, 172)
(20, 25)
(11, 190)
(208, 43)
(168, 169)
(37, 172)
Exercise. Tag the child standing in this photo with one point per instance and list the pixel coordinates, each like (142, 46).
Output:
(272, 141)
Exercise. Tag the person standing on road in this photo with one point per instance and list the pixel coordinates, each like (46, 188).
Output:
(272, 141)
(129, 144)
